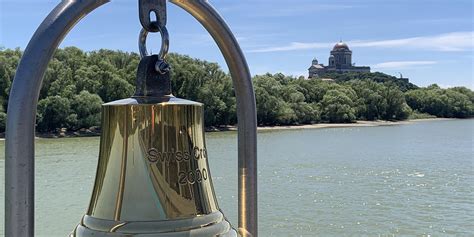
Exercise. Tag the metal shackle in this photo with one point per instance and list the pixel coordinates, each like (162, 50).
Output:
(165, 42)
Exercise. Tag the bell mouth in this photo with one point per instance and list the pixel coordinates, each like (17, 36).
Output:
(213, 224)
(137, 100)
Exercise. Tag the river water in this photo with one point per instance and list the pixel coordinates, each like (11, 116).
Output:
(414, 179)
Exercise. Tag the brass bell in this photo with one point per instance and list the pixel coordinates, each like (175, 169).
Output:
(153, 177)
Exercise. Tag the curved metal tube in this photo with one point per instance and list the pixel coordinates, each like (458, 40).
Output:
(19, 152)
(21, 114)
(246, 108)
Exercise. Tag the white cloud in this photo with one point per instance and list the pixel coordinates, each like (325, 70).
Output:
(292, 47)
(402, 64)
(454, 41)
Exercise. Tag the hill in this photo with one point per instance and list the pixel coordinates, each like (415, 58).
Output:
(76, 83)
(402, 83)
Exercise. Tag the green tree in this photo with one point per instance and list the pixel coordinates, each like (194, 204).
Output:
(87, 107)
(337, 107)
(270, 108)
(3, 120)
(115, 89)
(313, 90)
(9, 60)
(450, 103)
(371, 104)
(306, 113)
(396, 104)
(54, 112)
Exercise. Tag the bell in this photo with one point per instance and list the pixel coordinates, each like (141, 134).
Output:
(153, 177)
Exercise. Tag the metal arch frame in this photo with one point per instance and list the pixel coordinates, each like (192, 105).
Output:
(24, 95)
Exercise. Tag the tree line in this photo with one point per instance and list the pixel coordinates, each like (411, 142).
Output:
(77, 83)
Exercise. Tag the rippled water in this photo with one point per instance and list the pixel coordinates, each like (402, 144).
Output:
(415, 179)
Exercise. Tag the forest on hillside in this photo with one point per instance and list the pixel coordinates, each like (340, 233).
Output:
(77, 83)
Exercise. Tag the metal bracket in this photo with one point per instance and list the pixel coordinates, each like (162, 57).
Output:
(146, 7)
(150, 82)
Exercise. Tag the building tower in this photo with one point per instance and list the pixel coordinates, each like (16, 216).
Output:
(340, 61)
(341, 56)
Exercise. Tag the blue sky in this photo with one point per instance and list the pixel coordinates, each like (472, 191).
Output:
(427, 41)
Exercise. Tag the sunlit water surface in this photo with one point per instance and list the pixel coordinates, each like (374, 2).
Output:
(415, 179)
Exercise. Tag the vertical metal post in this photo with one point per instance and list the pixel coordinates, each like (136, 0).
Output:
(21, 114)
(246, 109)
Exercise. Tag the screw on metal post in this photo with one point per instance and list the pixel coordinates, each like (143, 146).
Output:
(162, 67)
(146, 7)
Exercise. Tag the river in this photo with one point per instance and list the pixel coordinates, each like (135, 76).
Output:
(413, 179)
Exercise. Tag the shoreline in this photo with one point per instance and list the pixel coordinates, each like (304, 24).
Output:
(359, 123)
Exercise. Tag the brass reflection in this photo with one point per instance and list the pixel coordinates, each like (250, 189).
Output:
(153, 166)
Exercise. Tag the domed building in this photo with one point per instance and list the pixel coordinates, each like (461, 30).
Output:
(340, 61)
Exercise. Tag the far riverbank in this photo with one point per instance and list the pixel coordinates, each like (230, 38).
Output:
(361, 123)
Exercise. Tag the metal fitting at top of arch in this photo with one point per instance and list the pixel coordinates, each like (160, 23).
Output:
(21, 114)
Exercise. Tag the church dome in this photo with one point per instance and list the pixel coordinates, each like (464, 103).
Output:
(340, 45)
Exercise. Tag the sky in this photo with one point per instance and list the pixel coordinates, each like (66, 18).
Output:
(428, 41)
